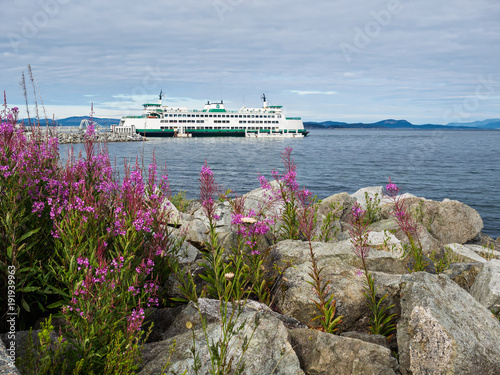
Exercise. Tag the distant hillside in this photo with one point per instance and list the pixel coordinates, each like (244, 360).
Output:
(484, 124)
(403, 124)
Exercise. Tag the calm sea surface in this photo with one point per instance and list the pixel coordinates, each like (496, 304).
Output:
(459, 165)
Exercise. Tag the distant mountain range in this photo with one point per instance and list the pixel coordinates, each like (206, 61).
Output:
(385, 124)
(403, 124)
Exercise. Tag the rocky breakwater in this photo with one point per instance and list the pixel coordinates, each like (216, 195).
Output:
(447, 317)
(79, 137)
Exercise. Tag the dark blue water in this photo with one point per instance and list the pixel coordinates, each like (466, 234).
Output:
(459, 165)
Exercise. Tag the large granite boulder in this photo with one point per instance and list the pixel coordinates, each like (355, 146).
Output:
(486, 288)
(448, 221)
(439, 223)
(444, 330)
(342, 267)
(322, 353)
(269, 351)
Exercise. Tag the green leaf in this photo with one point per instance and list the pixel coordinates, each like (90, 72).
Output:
(28, 289)
(55, 305)
(27, 235)
(25, 305)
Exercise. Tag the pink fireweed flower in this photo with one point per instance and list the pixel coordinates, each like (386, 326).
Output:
(152, 302)
(391, 189)
(357, 212)
(135, 320)
(83, 262)
(208, 190)
(264, 184)
(400, 212)
(359, 232)
(38, 208)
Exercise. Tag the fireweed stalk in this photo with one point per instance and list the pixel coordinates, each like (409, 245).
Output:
(327, 306)
(213, 262)
(251, 228)
(408, 225)
(381, 323)
(226, 282)
(284, 197)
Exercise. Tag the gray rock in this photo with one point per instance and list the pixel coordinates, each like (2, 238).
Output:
(323, 353)
(464, 274)
(188, 253)
(340, 266)
(7, 366)
(466, 253)
(372, 192)
(78, 137)
(268, 352)
(486, 288)
(450, 221)
(261, 200)
(210, 310)
(342, 203)
(196, 232)
(444, 330)
(428, 242)
(366, 337)
(223, 211)
(342, 251)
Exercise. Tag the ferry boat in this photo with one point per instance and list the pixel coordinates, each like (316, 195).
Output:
(159, 120)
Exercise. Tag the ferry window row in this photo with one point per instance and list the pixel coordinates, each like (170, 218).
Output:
(220, 121)
(221, 127)
(225, 116)
(183, 121)
(258, 122)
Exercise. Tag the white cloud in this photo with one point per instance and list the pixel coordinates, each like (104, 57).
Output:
(302, 92)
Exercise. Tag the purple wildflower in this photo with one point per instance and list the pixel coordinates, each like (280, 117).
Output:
(359, 233)
(208, 189)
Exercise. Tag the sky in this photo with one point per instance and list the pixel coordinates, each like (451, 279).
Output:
(354, 61)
